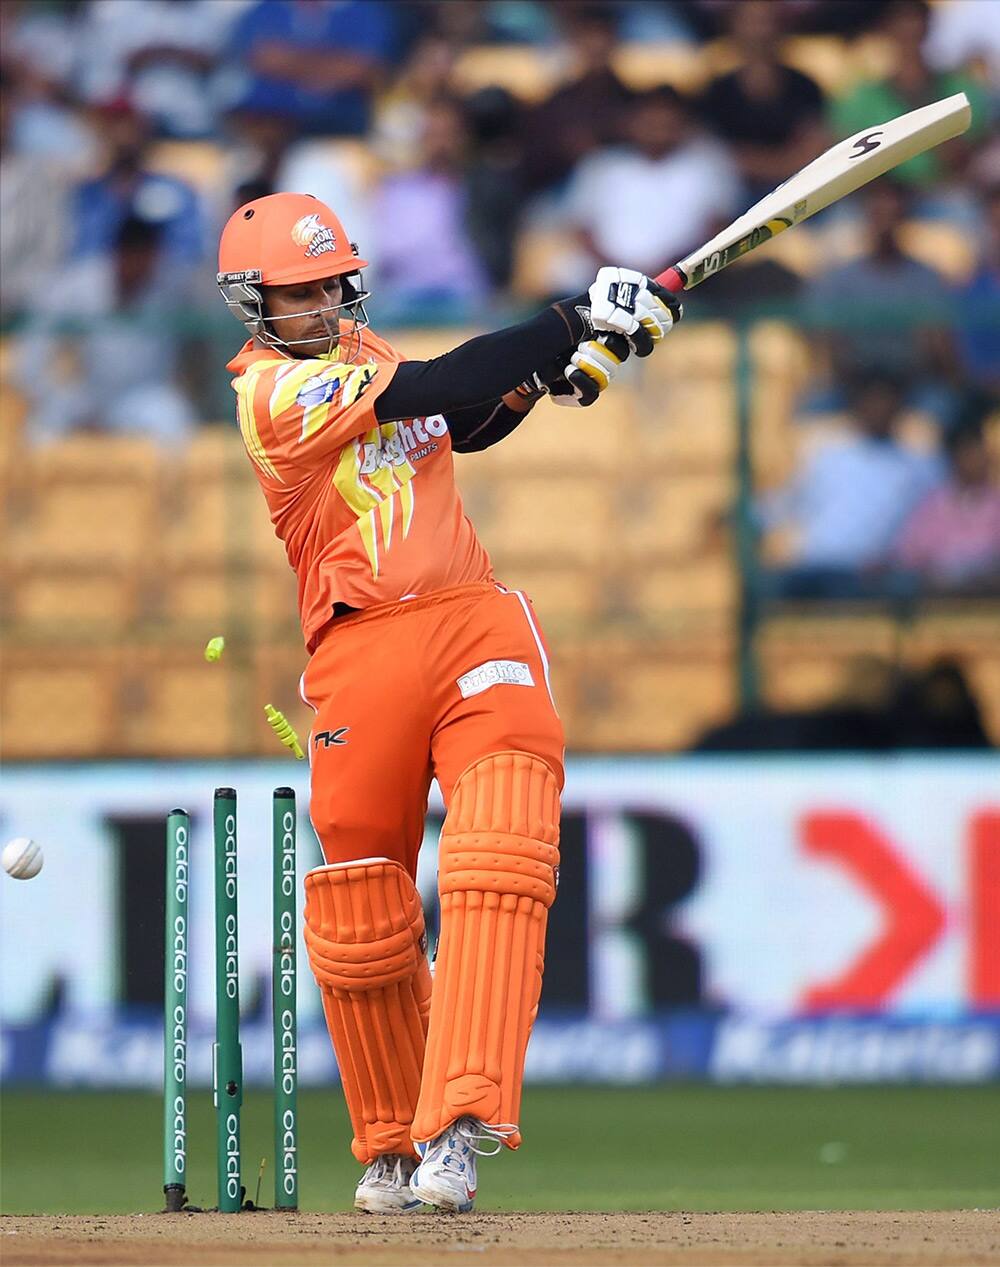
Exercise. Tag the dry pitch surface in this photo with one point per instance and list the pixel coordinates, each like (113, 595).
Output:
(812, 1239)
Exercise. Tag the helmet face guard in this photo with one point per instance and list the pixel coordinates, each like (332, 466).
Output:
(244, 297)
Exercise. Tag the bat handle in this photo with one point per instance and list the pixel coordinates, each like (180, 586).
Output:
(673, 279)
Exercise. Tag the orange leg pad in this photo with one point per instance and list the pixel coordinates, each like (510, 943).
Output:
(497, 870)
(368, 952)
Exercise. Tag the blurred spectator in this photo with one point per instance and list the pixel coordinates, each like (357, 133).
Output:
(318, 62)
(951, 542)
(848, 500)
(650, 201)
(769, 113)
(159, 53)
(977, 307)
(493, 21)
(886, 311)
(126, 188)
(33, 221)
(585, 113)
(422, 253)
(258, 143)
(879, 707)
(424, 78)
(102, 349)
(912, 83)
(936, 709)
(37, 50)
(493, 180)
(966, 33)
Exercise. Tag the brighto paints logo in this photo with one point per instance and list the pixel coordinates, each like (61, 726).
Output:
(315, 237)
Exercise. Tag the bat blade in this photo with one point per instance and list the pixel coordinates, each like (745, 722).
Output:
(837, 172)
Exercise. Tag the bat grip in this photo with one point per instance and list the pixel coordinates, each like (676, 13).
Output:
(672, 278)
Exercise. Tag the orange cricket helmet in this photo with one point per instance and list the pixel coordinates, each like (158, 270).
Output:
(279, 240)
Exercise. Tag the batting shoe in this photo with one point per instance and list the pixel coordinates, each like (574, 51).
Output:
(385, 1186)
(446, 1175)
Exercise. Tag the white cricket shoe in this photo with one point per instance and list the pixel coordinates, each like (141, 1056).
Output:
(385, 1186)
(446, 1175)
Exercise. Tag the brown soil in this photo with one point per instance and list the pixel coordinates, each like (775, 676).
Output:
(808, 1239)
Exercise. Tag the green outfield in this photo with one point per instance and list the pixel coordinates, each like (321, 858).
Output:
(655, 1148)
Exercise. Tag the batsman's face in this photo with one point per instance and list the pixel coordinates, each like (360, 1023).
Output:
(307, 312)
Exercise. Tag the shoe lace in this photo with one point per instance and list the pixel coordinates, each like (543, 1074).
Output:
(388, 1166)
(483, 1138)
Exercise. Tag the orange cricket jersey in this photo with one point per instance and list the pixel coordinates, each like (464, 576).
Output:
(368, 513)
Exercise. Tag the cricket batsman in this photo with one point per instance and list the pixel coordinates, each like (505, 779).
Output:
(422, 665)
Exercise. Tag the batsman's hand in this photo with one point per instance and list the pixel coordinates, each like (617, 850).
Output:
(579, 380)
(591, 370)
(625, 302)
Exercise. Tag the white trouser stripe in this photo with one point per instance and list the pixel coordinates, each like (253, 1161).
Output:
(519, 595)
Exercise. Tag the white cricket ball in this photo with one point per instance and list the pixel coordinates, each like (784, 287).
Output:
(22, 858)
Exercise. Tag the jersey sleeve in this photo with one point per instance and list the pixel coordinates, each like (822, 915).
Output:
(298, 415)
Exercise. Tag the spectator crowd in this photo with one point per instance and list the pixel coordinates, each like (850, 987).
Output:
(107, 251)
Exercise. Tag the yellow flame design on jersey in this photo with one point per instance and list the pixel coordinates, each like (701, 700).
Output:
(373, 494)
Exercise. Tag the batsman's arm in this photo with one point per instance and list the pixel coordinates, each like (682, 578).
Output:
(486, 367)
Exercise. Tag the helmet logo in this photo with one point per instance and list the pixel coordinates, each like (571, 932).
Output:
(315, 237)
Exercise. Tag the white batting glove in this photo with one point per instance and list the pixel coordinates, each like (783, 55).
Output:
(592, 369)
(626, 302)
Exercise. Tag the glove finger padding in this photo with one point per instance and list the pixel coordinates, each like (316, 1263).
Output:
(592, 369)
(658, 310)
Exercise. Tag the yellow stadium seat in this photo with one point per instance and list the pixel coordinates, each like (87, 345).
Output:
(198, 163)
(991, 430)
(666, 518)
(706, 586)
(75, 603)
(565, 597)
(658, 696)
(220, 520)
(555, 439)
(824, 58)
(528, 73)
(85, 459)
(548, 519)
(689, 425)
(542, 254)
(13, 414)
(805, 656)
(96, 523)
(184, 707)
(198, 600)
(215, 452)
(942, 246)
(647, 65)
(424, 345)
(57, 706)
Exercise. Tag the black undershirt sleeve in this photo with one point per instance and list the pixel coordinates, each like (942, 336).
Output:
(479, 426)
(482, 369)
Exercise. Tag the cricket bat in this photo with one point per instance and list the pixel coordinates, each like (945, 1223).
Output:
(843, 168)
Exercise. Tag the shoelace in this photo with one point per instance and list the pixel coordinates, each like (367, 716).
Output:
(382, 1169)
(476, 1133)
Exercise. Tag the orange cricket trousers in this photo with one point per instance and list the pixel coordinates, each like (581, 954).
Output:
(419, 689)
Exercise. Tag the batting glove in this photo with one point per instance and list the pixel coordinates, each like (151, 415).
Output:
(623, 301)
(580, 379)
(592, 366)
